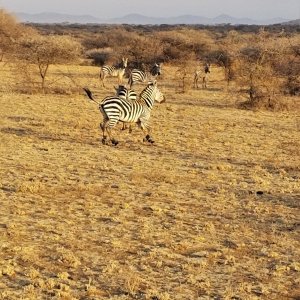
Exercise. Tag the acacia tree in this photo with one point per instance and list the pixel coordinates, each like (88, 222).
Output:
(256, 70)
(43, 51)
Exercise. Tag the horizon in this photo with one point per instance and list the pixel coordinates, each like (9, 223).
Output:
(147, 16)
(268, 9)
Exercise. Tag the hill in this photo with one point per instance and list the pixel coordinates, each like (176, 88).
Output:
(292, 22)
(48, 17)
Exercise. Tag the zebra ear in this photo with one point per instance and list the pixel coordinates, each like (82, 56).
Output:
(152, 82)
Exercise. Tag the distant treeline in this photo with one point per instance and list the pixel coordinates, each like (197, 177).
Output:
(262, 61)
(221, 28)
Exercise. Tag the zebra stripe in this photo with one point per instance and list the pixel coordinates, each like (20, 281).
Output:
(115, 109)
(125, 93)
(114, 71)
(141, 76)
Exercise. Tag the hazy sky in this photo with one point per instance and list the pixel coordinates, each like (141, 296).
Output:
(255, 9)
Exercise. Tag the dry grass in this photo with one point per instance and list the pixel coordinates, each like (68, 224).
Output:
(210, 211)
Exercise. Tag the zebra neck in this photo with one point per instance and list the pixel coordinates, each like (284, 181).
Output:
(148, 101)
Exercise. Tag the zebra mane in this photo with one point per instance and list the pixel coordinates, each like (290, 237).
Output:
(145, 93)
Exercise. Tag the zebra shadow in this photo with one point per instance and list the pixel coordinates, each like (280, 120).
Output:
(208, 89)
(17, 131)
(20, 118)
(28, 132)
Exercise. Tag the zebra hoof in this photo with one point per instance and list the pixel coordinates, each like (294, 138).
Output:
(104, 142)
(114, 142)
(148, 139)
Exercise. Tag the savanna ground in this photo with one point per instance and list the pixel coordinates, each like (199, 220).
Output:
(210, 211)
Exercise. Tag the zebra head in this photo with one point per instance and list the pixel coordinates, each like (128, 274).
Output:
(124, 62)
(120, 88)
(156, 69)
(207, 68)
(151, 93)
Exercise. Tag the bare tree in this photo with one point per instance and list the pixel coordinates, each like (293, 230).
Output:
(43, 51)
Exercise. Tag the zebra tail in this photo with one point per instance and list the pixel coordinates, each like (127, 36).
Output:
(89, 94)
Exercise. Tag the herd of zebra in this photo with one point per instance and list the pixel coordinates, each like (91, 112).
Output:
(125, 105)
(135, 76)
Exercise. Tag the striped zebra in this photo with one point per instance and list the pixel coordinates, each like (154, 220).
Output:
(115, 109)
(203, 74)
(113, 71)
(127, 94)
(141, 76)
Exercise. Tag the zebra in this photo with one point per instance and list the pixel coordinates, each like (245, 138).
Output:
(115, 109)
(202, 74)
(127, 94)
(114, 71)
(137, 75)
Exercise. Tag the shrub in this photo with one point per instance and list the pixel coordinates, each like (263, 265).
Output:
(10, 30)
(185, 44)
(256, 72)
(146, 52)
(100, 56)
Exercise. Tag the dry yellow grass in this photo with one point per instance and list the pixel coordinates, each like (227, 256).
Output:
(180, 219)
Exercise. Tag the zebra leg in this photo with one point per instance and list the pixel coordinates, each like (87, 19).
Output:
(195, 82)
(113, 141)
(125, 126)
(103, 128)
(146, 129)
(204, 82)
(110, 125)
(130, 82)
(102, 77)
(130, 128)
